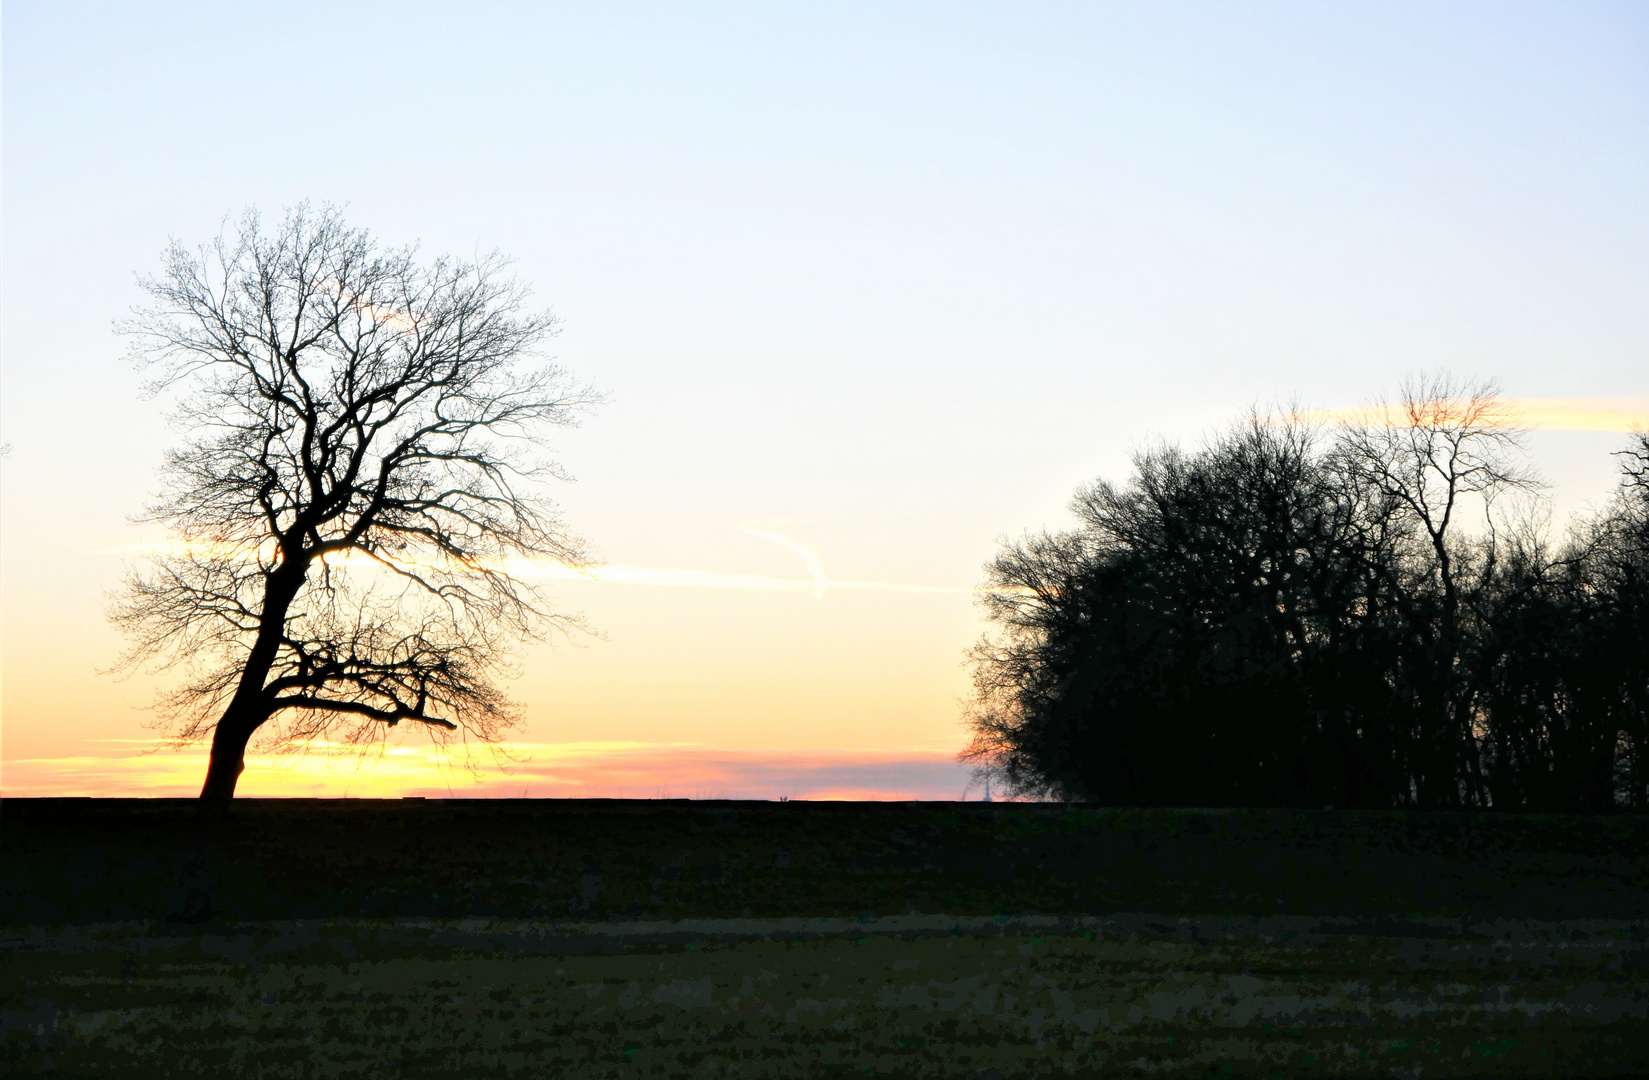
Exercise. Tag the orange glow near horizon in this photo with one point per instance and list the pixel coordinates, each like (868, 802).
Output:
(557, 770)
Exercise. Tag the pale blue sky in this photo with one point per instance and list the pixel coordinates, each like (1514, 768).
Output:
(890, 279)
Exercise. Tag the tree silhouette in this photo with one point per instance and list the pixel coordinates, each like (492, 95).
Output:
(1565, 661)
(354, 491)
(1446, 450)
(1293, 617)
(1193, 642)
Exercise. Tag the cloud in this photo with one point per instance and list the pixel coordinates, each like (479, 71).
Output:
(1621, 414)
(1583, 414)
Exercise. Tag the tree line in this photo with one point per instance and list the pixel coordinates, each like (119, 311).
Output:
(1368, 616)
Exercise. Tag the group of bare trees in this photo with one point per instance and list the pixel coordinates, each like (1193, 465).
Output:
(1364, 616)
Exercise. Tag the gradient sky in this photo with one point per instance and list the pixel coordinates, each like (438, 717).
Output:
(869, 286)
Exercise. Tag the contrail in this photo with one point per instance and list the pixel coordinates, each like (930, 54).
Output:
(609, 573)
(618, 574)
(815, 568)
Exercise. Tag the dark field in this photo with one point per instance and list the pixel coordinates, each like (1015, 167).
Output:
(675, 938)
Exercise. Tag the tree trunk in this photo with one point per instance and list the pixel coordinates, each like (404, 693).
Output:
(248, 709)
(228, 759)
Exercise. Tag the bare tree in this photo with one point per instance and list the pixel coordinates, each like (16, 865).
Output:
(1193, 639)
(1445, 450)
(1634, 466)
(1444, 445)
(355, 492)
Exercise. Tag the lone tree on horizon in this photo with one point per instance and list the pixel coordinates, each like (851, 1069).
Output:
(354, 493)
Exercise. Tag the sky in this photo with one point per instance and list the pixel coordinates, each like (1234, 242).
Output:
(869, 288)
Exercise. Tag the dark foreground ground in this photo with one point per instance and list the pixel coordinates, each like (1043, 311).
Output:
(675, 938)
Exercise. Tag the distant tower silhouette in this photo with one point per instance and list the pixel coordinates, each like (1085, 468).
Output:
(987, 797)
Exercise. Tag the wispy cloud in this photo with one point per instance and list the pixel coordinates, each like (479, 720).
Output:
(1621, 414)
